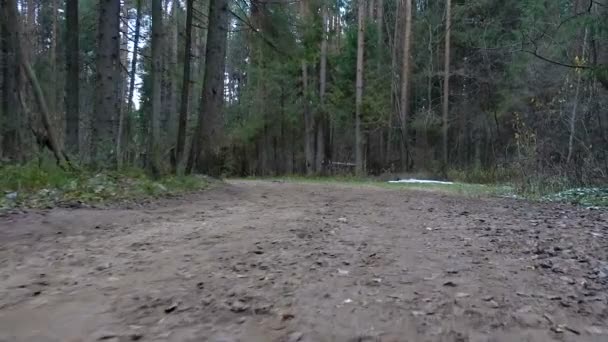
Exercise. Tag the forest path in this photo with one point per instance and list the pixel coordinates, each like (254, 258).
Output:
(269, 261)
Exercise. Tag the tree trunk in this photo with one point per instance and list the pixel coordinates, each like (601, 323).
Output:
(379, 30)
(207, 142)
(321, 136)
(405, 83)
(72, 84)
(10, 133)
(446, 82)
(309, 126)
(186, 86)
(106, 94)
(122, 85)
(50, 138)
(201, 51)
(172, 100)
(154, 143)
(394, 79)
(573, 117)
(123, 122)
(52, 61)
(309, 122)
(359, 137)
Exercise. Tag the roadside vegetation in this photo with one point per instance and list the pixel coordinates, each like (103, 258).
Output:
(46, 185)
(546, 190)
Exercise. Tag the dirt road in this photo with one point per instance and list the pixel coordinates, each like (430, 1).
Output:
(265, 261)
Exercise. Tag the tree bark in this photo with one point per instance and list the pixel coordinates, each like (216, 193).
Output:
(446, 81)
(50, 140)
(154, 143)
(186, 86)
(405, 84)
(52, 90)
(309, 130)
(208, 140)
(394, 79)
(309, 122)
(108, 70)
(10, 132)
(171, 73)
(573, 116)
(359, 137)
(379, 30)
(124, 133)
(72, 84)
(321, 136)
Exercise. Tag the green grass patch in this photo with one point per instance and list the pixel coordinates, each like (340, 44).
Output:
(456, 188)
(588, 197)
(36, 186)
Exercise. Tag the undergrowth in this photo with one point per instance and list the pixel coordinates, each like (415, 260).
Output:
(47, 185)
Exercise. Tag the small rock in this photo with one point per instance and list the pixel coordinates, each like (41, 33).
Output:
(347, 301)
(241, 320)
(171, 308)
(262, 309)
(104, 336)
(343, 272)
(493, 304)
(11, 196)
(342, 220)
(136, 336)
(568, 280)
(103, 266)
(286, 316)
(295, 336)
(487, 298)
(528, 319)
(239, 306)
(450, 284)
(462, 295)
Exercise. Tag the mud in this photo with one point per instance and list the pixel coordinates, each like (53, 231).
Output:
(269, 261)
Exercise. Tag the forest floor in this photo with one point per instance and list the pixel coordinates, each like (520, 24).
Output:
(274, 261)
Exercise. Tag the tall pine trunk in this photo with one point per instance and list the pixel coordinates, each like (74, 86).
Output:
(359, 137)
(186, 86)
(72, 84)
(124, 122)
(154, 143)
(574, 115)
(208, 140)
(309, 122)
(10, 133)
(106, 95)
(404, 103)
(322, 119)
(52, 61)
(446, 81)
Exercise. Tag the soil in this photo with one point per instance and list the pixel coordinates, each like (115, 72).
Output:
(271, 261)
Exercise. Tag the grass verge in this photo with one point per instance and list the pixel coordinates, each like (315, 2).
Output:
(47, 186)
(456, 188)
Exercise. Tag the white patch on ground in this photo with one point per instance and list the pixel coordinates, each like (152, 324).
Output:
(419, 181)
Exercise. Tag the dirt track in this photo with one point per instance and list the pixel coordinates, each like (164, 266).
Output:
(264, 261)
